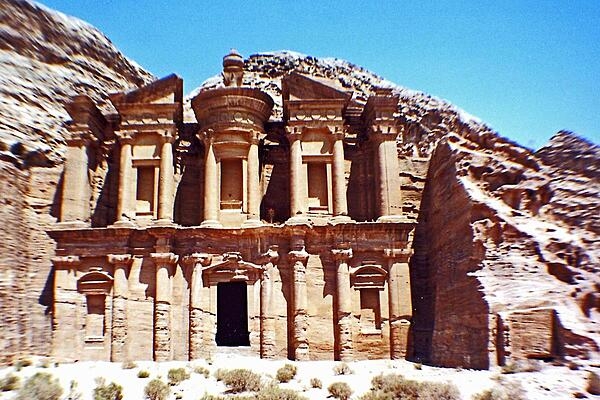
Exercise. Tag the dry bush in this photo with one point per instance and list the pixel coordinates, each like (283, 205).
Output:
(219, 374)
(40, 386)
(394, 386)
(142, 373)
(74, 394)
(200, 370)
(128, 365)
(316, 383)
(522, 366)
(177, 375)
(10, 382)
(503, 391)
(273, 392)
(156, 390)
(112, 391)
(22, 363)
(342, 369)
(340, 390)
(286, 373)
(241, 380)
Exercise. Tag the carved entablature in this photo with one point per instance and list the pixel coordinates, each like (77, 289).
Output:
(86, 120)
(95, 282)
(379, 114)
(370, 276)
(232, 268)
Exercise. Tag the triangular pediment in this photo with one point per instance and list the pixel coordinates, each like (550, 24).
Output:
(167, 90)
(296, 86)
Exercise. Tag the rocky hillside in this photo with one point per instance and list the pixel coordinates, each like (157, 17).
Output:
(46, 57)
(502, 230)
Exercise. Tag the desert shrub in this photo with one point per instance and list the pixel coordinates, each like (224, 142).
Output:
(241, 380)
(286, 373)
(22, 363)
(129, 365)
(41, 386)
(74, 394)
(142, 373)
(342, 369)
(219, 374)
(593, 383)
(45, 363)
(177, 375)
(274, 392)
(156, 390)
(316, 383)
(394, 386)
(212, 397)
(418, 366)
(112, 391)
(340, 390)
(10, 382)
(522, 366)
(505, 391)
(200, 370)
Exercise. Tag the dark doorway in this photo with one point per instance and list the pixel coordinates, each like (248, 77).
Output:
(232, 314)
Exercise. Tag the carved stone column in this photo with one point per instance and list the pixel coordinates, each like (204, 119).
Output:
(121, 264)
(196, 261)
(340, 205)
(344, 304)
(75, 207)
(211, 186)
(267, 318)
(298, 259)
(65, 301)
(400, 301)
(125, 200)
(253, 185)
(162, 305)
(295, 174)
(165, 182)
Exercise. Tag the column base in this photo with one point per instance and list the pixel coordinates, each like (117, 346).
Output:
(211, 223)
(163, 222)
(123, 223)
(391, 219)
(299, 220)
(339, 219)
(252, 223)
(72, 225)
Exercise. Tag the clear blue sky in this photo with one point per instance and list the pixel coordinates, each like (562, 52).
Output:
(527, 68)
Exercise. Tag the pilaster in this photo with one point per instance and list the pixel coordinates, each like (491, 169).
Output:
(400, 300)
(344, 303)
(298, 260)
(267, 318)
(198, 330)
(121, 264)
(164, 263)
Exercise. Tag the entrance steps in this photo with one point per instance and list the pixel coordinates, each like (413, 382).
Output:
(236, 350)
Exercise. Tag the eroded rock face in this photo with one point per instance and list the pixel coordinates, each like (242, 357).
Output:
(505, 237)
(503, 230)
(45, 58)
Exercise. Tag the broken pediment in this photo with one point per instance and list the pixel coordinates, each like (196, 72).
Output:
(166, 90)
(300, 87)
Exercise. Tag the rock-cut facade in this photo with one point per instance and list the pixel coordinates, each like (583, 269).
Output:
(285, 236)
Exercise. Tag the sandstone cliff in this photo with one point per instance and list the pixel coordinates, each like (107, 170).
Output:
(505, 235)
(45, 57)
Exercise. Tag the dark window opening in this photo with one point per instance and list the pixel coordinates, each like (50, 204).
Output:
(232, 314)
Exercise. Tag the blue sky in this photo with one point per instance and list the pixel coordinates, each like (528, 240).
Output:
(527, 68)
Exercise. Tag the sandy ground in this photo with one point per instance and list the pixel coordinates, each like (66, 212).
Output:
(552, 382)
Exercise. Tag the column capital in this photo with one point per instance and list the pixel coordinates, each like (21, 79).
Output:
(342, 254)
(66, 261)
(399, 255)
(165, 259)
(79, 137)
(192, 260)
(293, 132)
(270, 256)
(125, 136)
(119, 259)
(298, 255)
